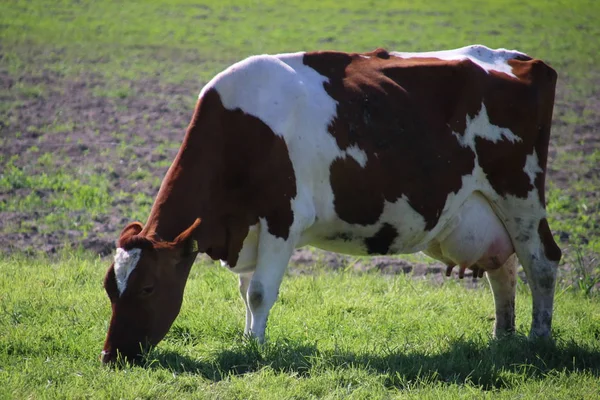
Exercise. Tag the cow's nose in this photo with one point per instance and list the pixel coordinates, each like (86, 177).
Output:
(106, 357)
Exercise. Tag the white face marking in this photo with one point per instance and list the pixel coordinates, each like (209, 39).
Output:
(480, 126)
(486, 58)
(125, 263)
(532, 166)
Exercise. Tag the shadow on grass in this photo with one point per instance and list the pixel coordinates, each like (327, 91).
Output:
(496, 364)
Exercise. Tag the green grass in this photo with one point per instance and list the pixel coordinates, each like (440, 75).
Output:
(60, 193)
(575, 208)
(330, 335)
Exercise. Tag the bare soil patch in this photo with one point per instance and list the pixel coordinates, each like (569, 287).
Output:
(89, 134)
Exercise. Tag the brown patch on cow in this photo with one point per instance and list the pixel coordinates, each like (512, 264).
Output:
(401, 113)
(503, 164)
(351, 181)
(524, 106)
(551, 249)
(380, 242)
(231, 170)
(548, 77)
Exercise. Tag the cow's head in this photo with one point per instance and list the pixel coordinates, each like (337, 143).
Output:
(145, 285)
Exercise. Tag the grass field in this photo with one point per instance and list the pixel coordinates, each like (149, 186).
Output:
(394, 336)
(94, 100)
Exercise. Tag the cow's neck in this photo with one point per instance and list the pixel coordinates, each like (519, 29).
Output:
(185, 192)
(208, 180)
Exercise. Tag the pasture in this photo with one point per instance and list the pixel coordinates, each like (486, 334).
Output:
(94, 101)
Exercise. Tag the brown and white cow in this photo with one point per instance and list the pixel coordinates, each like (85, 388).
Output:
(374, 153)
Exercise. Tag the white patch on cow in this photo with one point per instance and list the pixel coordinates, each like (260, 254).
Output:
(125, 263)
(486, 58)
(481, 126)
(532, 166)
(262, 86)
(357, 154)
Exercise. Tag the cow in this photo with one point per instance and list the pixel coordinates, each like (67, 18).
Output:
(374, 153)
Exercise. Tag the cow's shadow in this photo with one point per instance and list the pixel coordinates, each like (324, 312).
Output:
(487, 364)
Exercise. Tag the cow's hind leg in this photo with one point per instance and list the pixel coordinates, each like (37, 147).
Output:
(540, 256)
(538, 253)
(503, 282)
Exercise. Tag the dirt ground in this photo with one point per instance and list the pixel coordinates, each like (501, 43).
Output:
(98, 134)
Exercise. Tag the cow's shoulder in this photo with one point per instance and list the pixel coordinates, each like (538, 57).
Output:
(235, 158)
(267, 87)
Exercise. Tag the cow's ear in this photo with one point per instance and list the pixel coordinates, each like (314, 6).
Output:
(129, 231)
(186, 240)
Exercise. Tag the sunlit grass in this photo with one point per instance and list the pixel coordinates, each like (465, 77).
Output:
(330, 334)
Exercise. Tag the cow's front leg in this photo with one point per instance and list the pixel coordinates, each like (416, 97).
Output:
(244, 284)
(273, 256)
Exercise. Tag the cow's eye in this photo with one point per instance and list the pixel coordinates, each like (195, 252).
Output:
(147, 290)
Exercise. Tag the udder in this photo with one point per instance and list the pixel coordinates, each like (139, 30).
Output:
(474, 239)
